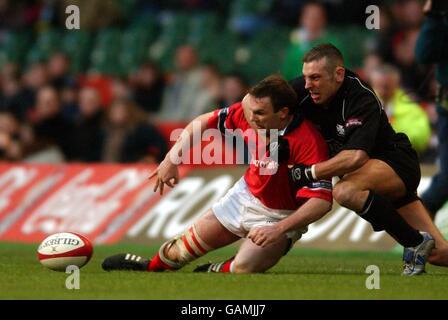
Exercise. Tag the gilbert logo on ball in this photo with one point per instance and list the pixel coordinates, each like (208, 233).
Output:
(60, 250)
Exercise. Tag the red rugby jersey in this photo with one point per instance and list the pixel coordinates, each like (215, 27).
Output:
(306, 146)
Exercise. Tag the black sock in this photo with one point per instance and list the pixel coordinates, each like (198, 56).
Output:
(383, 216)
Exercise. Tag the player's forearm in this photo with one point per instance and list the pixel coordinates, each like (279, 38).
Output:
(186, 140)
(344, 162)
(309, 212)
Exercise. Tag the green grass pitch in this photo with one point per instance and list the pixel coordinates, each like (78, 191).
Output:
(302, 274)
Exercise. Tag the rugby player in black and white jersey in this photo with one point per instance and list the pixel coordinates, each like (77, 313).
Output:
(378, 169)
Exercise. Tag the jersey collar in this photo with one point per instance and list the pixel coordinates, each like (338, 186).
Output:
(295, 121)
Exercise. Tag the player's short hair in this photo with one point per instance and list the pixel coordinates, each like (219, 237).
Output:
(278, 90)
(326, 50)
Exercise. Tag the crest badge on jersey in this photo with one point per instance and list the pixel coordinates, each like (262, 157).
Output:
(340, 129)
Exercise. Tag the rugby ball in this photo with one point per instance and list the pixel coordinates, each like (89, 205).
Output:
(61, 250)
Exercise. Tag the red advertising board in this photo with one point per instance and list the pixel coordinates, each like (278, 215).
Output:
(37, 200)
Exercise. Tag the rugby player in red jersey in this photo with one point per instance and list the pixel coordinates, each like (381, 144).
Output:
(263, 207)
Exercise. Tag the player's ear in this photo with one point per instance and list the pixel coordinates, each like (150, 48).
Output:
(340, 74)
(283, 113)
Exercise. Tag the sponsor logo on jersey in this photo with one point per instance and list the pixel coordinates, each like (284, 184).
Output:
(353, 122)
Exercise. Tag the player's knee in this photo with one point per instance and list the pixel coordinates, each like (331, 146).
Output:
(242, 267)
(344, 193)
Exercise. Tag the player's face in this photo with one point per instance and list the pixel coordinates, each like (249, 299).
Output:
(320, 82)
(260, 114)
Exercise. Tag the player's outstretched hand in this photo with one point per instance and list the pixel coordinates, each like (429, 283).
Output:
(264, 236)
(167, 173)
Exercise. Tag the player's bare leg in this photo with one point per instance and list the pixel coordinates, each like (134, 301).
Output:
(352, 192)
(417, 216)
(253, 258)
(205, 235)
(369, 191)
(353, 189)
(250, 258)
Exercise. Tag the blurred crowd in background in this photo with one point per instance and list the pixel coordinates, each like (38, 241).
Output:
(109, 91)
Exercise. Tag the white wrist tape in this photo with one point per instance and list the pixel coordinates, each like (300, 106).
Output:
(313, 172)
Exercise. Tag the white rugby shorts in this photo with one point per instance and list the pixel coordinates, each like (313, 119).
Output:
(239, 211)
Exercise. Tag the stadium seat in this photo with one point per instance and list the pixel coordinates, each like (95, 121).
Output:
(104, 57)
(174, 32)
(220, 50)
(203, 26)
(14, 46)
(77, 45)
(47, 42)
(263, 54)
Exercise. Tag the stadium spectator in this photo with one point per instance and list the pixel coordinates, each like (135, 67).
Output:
(59, 70)
(379, 170)
(405, 115)
(396, 46)
(120, 89)
(34, 78)
(129, 137)
(432, 47)
(411, 72)
(208, 96)
(10, 70)
(234, 88)
(401, 16)
(185, 84)
(18, 14)
(148, 85)
(371, 62)
(11, 148)
(50, 128)
(260, 207)
(312, 30)
(69, 99)
(89, 136)
(10, 99)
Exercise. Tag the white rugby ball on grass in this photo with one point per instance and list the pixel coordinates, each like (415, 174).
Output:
(61, 250)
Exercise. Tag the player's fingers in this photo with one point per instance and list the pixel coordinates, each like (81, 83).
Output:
(252, 234)
(254, 238)
(156, 186)
(152, 174)
(169, 184)
(259, 242)
(162, 184)
(257, 239)
(173, 181)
